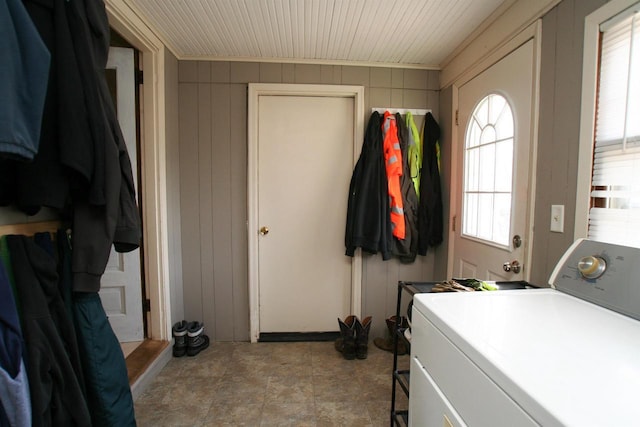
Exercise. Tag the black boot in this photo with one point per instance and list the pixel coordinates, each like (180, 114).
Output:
(362, 337)
(196, 339)
(386, 343)
(346, 344)
(179, 332)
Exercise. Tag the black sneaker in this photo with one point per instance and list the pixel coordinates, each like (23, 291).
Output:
(196, 339)
(179, 332)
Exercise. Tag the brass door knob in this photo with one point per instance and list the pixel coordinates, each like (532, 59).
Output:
(264, 230)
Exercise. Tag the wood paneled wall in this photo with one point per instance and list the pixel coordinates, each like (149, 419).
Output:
(212, 117)
(559, 130)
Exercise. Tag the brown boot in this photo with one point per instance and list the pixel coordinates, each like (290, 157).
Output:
(362, 337)
(386, 343)
(346, 344)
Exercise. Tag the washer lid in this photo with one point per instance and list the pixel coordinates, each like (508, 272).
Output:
(565, 361)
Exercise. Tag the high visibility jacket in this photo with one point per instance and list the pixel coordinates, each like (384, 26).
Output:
(414, 152)
(393, 166)
(406, 249)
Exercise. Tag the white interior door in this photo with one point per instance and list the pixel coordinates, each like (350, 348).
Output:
(493, 169)
(305, 159)
(121, 286)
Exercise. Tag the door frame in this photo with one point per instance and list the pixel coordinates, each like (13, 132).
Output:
(153, 164)
(277, 89)
(532, 32)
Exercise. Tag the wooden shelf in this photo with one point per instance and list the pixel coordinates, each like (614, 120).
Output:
(31, 228)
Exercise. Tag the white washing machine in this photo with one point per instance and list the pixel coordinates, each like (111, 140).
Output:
(563, 356)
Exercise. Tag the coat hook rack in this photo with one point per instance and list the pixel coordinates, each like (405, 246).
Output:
(413, 111)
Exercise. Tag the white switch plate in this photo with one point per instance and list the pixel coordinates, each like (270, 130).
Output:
(557, 218)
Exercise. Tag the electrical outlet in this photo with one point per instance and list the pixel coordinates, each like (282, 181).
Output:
(557, 218)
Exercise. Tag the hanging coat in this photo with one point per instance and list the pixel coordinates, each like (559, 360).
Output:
(57, 397)
(415, 152)
(393, 167)
(15, 402)
(406, 249)
(82, 167)
(368, 222)
(25, 72)
(430, 211)
(66, 151)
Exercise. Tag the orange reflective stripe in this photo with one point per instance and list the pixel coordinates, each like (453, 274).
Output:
(393, 166)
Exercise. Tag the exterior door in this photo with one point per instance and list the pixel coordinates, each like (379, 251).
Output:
(121, 285)
(305, 159)
(493, 166)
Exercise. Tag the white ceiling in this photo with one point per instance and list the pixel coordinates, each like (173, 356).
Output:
(416, 33)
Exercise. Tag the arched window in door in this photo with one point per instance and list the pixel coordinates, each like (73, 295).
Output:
(488, 167)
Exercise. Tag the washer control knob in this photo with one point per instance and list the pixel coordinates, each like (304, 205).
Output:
(592, 267)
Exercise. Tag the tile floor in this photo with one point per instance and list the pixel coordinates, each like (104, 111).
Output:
(271, 384)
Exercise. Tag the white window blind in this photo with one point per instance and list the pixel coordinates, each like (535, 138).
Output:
(615, 193)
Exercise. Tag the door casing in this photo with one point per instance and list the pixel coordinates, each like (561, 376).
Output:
(153, 164)
(255, 91)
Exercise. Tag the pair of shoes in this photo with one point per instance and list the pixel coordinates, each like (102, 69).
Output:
(386, 343)
(189, 338)
(354, 337)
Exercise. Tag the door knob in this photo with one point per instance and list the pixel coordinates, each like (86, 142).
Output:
(264, 230)
(512, 266)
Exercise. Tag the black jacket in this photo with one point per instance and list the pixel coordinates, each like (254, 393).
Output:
(57, 397)
(430, 212)
(83, 166)
(368, 220)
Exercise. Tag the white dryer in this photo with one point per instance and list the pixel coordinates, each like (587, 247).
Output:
(562, 356)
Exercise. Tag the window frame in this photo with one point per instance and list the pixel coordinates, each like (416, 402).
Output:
(465, 151)
(590, 62)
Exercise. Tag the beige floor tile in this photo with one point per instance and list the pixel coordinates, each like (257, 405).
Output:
(289, 389)
(149, 414)
(272, 384)
(336, 388)
(349, 413)
(237, 414)
(233, 389)
(375, 387)
(294, 370)
(288, 414)
(379, 412)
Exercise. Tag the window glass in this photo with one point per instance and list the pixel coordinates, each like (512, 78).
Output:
(488, 174)
(614, 214)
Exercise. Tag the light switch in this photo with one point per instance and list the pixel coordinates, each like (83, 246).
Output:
(557, 218)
